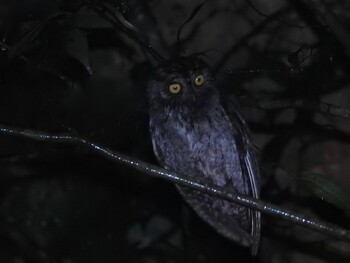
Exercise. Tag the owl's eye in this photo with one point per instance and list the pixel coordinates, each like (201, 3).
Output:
(199, 80)
(175, 88)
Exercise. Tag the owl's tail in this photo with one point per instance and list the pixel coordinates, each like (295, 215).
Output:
(253, 172)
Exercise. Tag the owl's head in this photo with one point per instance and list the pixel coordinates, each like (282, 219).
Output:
(182, 83)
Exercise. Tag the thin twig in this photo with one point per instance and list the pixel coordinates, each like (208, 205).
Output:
(184, 180)
(256, 10)
(192, 15)
(51, 71)
(322, 107)
(330, 19)
(196, 27)
(118, 21)
(247, 37)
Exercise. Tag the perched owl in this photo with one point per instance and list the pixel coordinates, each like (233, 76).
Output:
(195, 132)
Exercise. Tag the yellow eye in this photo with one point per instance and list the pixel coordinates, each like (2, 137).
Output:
(175, 88)
(199, 80)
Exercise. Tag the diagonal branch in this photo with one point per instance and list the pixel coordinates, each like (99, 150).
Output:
(246, 38)
(184, 180)
(326, 15)
(256, 10)
(119, 22)
(5, 47)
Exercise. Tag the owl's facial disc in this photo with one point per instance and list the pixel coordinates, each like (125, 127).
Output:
(176, 88)
(182, 84)
(191, 89)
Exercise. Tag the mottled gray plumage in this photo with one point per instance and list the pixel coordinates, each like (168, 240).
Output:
(195, 133)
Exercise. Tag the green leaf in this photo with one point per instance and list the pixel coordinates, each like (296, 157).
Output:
(324, 188)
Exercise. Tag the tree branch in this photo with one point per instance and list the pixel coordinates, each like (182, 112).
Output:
(184, 180)
(256, 10)
(326, 15)
(118, 21)
(321, 107)
(244, 39)
(4, 47)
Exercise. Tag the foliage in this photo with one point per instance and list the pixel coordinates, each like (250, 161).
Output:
(80, 67)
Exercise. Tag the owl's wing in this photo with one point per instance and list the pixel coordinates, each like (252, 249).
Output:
(249, 159)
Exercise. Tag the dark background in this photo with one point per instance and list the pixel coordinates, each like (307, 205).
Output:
(65, 69)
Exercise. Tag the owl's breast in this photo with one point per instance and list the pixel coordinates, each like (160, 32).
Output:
(203, 147)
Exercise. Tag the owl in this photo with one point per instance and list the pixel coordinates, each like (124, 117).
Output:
(197, 132)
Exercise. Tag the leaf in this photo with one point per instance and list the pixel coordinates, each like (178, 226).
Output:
(76, 46)
(327, 190)
(121, 19)
(88, 18)
(27, 40)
